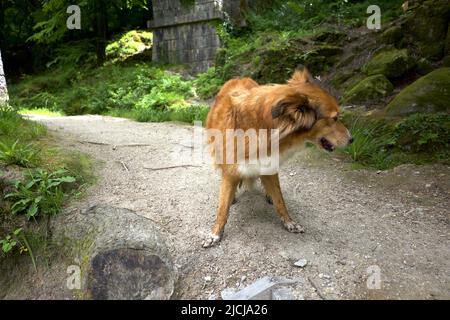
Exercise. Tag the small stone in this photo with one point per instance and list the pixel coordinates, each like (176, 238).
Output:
(301, 263)
(227, 293)
(212, 297)
(243, 278)
(282, 293)
(207, 278)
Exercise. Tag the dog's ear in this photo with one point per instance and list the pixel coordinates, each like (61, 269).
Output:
(301, 75)
(292, 113)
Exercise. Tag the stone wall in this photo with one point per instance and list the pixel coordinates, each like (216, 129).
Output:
(184, 33)
(3, 91)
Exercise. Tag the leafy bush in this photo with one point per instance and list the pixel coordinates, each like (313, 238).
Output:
(306, 14)
(40, 193)
(208, 84)
(134, 86)
(424, 133)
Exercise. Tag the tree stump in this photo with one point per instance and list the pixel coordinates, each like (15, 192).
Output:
(127, 257)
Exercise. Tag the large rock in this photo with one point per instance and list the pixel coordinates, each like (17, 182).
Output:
(430, 93)
(369, 91)
(429, 26)
(392, 63)
(392, 35)
(126, 258)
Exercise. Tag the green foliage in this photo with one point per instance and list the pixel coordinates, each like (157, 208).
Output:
(131, 43)
(208, 84)
(13, 126)
(17, 153)
(40, 111)
(10, 241)
(427, 133)
(182, 113)
(40, 193)
(372, 139)
(307, 14)
(383, 144)
(136, 86)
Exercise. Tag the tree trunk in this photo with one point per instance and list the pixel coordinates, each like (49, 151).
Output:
(101, 27)
(3, 91)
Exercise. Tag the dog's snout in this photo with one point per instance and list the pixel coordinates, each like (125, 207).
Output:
(350, 141)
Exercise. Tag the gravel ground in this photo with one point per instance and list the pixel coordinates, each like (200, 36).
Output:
(395, 222)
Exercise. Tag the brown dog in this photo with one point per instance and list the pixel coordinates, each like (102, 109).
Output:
(300, 111)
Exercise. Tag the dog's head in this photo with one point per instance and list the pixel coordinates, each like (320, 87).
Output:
(305, 107)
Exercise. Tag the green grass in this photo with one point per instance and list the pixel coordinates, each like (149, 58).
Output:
(41, 112)
(383, 143)
(188, 114)
(50, 177)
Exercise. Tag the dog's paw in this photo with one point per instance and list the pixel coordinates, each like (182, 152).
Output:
(211, 240)
(294, 227)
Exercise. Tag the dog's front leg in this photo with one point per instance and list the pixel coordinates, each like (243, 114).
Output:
(272, 186)
(227, 192)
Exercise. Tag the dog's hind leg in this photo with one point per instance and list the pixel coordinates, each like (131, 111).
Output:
(227, 193)
(272, 186)
(269, 199)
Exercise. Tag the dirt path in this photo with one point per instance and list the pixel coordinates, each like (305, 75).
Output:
(398, 220)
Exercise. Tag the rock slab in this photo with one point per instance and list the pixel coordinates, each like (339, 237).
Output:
(127, 257)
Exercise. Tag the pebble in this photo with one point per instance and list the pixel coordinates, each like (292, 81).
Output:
(301, 263)
(282, 293)
(227, 293)
(207, 278)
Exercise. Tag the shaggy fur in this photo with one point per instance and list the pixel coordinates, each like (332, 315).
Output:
(301, 111)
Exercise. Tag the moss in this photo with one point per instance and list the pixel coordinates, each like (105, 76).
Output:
(341, 77)
(430, 93)
(327, 50)
(392, 63)
(353, 81)
(446, 61)
(392, 35)
(447, 40)
(424, 66)
(329, 36)
(369, 90)
(429, 26)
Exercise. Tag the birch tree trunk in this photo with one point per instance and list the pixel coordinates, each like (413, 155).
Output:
(3, 91)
